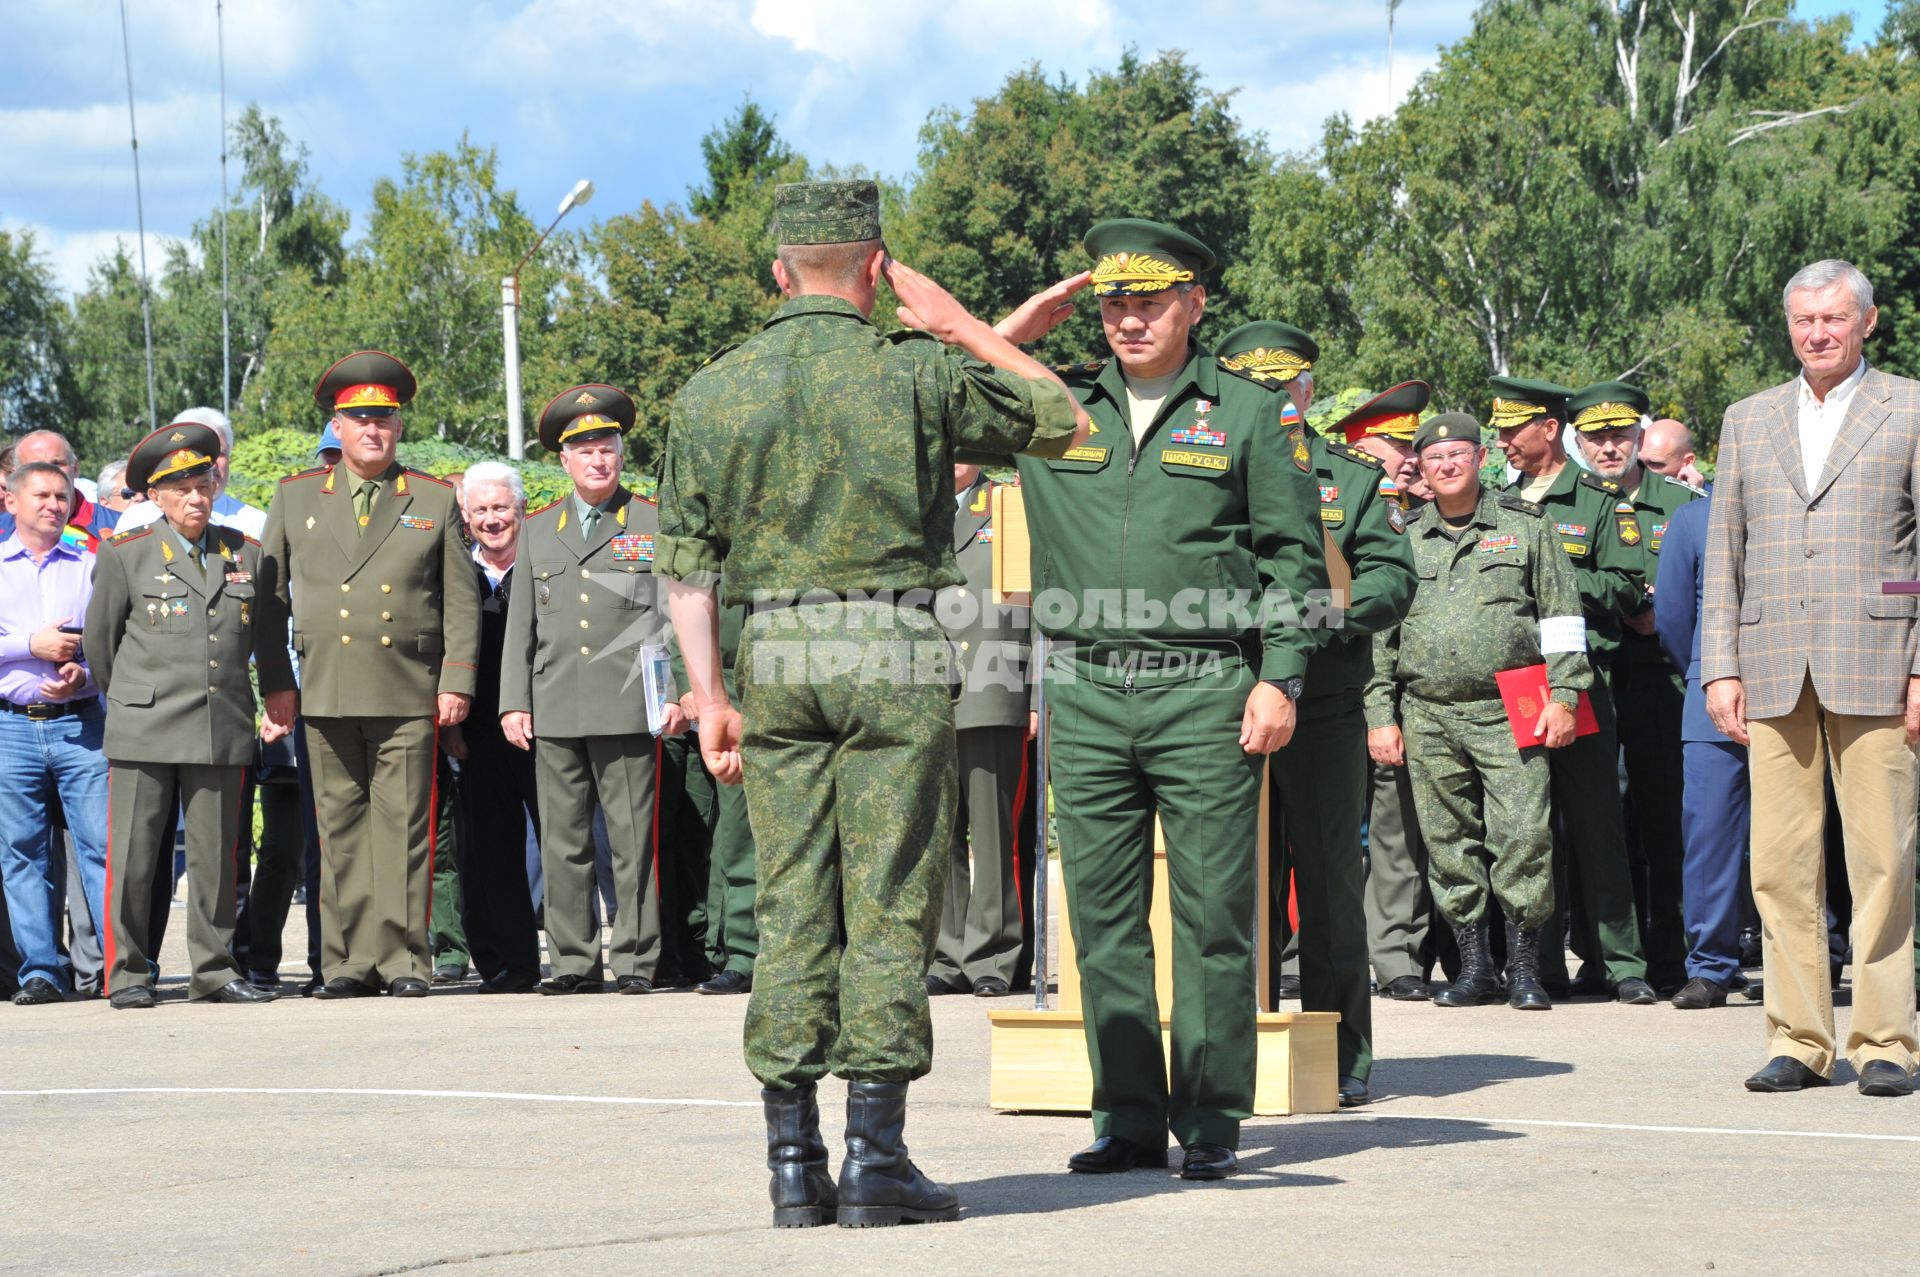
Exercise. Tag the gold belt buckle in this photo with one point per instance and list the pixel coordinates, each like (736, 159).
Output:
(40, 712)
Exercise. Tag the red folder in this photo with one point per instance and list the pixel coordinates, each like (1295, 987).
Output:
(1524, 693)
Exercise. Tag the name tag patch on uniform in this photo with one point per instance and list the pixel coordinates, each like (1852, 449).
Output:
(1085, 452)
(1200, 435)
(637, 548)
(1199, 460)
(1500, 544)
(416, 521)
(1571, 529)
(1329, 492)
(1332, 514)
(1578, 549)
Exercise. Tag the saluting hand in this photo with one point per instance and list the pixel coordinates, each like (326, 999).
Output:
(1043, 312)
(1267, 723)
(924, 304)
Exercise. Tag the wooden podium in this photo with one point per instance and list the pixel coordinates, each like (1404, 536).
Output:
(1038, 1057)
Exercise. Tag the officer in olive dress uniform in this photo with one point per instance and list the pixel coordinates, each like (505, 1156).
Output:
(169, 632)
(1317, 791)
(1590, 841)
(366, 559)
(583, 603)
(979, 946)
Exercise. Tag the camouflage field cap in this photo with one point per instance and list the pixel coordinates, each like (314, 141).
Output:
(1607, 405)
(1133, 256)
(1517, 400)
(178, 451)
(1268, 350)
(826, 212)
(1447, 427)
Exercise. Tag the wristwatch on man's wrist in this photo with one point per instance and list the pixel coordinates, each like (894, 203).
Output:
(1293, 687)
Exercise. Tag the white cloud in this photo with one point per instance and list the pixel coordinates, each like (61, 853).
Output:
(71, 254)
(1292, 111)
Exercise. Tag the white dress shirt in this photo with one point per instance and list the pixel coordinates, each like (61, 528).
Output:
(1820, 422)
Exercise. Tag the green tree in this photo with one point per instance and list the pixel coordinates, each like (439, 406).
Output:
(31, 319)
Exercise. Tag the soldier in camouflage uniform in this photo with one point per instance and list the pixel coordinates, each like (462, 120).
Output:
(815, 459)
(1495, 593)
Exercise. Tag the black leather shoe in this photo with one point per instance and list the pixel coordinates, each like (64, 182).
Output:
(1209, 1161)
(1287, 988)
(509, 984)
(1784, 1073)
(1588, 982)
(408, 986)
(343, 987)
(571, 984)
(1407, 988)
(1353, 1093)
(1884, 1077)
(264, 979)
(936, 987)
(450, 973)
(991, 986)
(635, 984)
(37, 992)
(728, 982)
(133, 997)
(238, 991)
(1634, 992)
(1110, 1155)
(1700, 993)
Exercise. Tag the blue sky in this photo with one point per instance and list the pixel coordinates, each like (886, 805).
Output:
(616, 90)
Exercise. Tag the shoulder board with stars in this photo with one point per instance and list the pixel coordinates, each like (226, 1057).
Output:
(1514, 501)
(125, 537)
(1259, 379)
(234, 538)
(652, 501)
(314, 473)
(1353, 454)
(1086, 368)
(1682, 483)
(730, 346)
(543, 509)
(421, 474)
(1593, 480)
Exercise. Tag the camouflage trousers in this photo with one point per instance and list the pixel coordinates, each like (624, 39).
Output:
(851, 780)
(1482, 804)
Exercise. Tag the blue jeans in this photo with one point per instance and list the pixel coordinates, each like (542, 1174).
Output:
(38, 760)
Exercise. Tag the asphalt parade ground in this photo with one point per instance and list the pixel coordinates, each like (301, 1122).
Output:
(466, 1134)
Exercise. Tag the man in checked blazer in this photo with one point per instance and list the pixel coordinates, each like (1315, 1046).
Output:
(1805, 660)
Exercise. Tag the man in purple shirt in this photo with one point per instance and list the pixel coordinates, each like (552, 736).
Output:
(51, 727)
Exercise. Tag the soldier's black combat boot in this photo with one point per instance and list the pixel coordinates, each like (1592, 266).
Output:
(1524, 990)
(801, 1187)
(878, 1185)
(1478, 983)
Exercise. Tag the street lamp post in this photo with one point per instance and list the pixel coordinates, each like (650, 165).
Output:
(510, 321)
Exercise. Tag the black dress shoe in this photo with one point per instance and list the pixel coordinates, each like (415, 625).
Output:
(343, 987)
(728, 982)
(936, 987)
(506, 983)
(312, 987)
(133, 997)
(38, 992)
(1884, 1077)
(1109, 1155)
(450, 973)
(1353, 1093)
(407, 986)
(1407, 988)
(238, 991)
(1634, 992)
(1700, 993)
(1784, 1073)
(991, 986)
(1588, 982)
(1287, 988)
(264, 979)
(571, 984)
(635, 984)
(1209, 1161)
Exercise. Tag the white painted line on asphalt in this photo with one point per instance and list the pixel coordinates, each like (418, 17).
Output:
(528, 1097)
(1762, 1132)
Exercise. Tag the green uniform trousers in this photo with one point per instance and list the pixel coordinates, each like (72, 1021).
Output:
(1483, 811)
(1649, 698)
(373, 782)
(1318, 798)
(980, 921)
(140, 804)
(847, 748)
(733, 938)
(1405, 934)
(1118, 756)
(688, 811)
(279, 862)
(447, 935)
(1591, 878)
(572, 775)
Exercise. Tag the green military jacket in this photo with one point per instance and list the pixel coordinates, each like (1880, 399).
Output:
(1582, 507)
(1204, 540)
(1369, 530)
(991, 640)
(169, 644)
(386, 618)
(1477, 610)
(817, 456)
(577, 614)
(1653, 504)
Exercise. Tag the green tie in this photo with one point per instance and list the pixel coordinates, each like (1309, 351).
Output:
(363, 502)
(587, 520)
(198, 558)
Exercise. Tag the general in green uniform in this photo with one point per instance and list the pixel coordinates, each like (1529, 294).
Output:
(169, 631)
(366, 559)
(1648, 693)
(1318, 782)
(1495, 593)
(813, 463)
(1590, 841)
(1177, 571)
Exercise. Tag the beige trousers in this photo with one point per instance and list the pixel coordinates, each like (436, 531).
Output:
(1877, 778)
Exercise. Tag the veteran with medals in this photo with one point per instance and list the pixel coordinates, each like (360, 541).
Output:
(169, 631)
(582, 606)
(367, 561)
